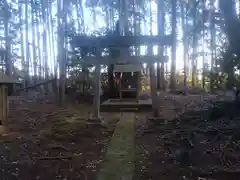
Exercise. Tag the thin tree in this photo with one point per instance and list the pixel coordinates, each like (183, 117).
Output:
(27, 64)
(34, 50)
(174, 44)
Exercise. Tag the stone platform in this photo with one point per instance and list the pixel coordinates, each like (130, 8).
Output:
(117, 105)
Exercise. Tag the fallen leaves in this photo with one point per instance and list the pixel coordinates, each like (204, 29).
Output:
(214, 154)
(44, 141)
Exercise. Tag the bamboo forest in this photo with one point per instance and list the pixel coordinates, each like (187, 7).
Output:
(119, 89)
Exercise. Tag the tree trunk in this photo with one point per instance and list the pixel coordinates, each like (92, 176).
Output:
(213, 46)
(194, 65)
(61, 50)
(80, 16)
(44, 38)
(34, 51)
(53, 41)
(8, 62)
(203, 59)
(111, 89)
(49, 42)
(21, 39)
(40, 72)
(184, 39)
(174, 45)
(27, 45)
(194, 44)
(160, 66)
(111, 84)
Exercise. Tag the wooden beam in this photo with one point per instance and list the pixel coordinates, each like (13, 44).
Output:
(129, 59)
(120, 41)
(127, 68)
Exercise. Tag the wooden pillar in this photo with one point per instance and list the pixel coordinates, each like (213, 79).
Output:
(120, 89)
(3, 104)
(111, 89)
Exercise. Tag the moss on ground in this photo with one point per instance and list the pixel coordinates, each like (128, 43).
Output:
(119, 159)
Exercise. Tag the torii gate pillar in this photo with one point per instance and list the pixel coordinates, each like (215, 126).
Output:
(96, 119)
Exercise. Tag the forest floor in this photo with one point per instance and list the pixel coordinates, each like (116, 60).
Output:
(196, 138)
(45, 142)
(201, 143)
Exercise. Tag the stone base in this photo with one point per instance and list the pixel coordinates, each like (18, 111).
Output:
(156, 113)
(158, 120)
(95, 120)
(155, 118)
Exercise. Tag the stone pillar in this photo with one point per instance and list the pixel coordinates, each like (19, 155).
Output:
(138, 85)
(147, 71)
(50, 87)
(97, 91)
(3, 104)
(96, 119)
(162, 76)
(153, 89)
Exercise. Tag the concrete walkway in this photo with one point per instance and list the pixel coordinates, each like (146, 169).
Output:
(119, 160)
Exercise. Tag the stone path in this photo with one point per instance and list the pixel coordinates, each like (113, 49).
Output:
(119, 160)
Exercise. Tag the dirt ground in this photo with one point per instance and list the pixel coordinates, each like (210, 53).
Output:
(44, 142)
(191, 141)
(200, 144)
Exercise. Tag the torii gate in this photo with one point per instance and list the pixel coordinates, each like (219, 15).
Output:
(121, 42)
